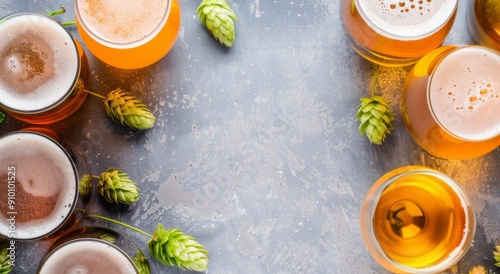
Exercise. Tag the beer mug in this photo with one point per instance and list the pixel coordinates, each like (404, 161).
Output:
(483, 21)
(417, 220)
(40, 186)
(396, 33)
(128, 34)
(90, 249)
(451, 99)
(42, 69)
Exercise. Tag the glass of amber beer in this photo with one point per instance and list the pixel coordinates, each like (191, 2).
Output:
(417, 220)
(397, 33)
(90, 249)
(450, 101)
(483, 20)
(40, 186)
(41, 68)
(128, 34)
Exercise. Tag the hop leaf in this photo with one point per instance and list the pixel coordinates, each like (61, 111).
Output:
(124, 108)
(218, 17)
(85, 185)
(173, 247)
(141, 263)
(478, 269)
(6, 264)
(116, 187)
(376, 119)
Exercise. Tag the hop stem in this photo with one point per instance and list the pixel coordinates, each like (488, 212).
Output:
(118, 223)
(53, 13)
(375, 81)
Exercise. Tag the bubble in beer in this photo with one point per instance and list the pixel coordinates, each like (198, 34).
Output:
(464, 93)
(39, 62)
(406, 19)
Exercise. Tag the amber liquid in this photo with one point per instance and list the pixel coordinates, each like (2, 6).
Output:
(419, 220)
(141, 56)
(484, 24)
(420, 122)
(65, 108)
(386, 51)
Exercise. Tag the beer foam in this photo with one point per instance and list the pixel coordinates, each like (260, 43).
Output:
(406, 19)
(86, 256)
(122, 22)
(44, 170)
(39, 62)
(464, 93)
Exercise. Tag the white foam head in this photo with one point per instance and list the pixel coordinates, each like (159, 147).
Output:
(87, 256)
(39, 62)
(42, 171)
(406, 19)
(122, 23)
(464, 93)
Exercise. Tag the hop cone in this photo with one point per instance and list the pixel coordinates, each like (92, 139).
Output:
(218, 17)
(116, 187)
(124, 108)
(5, 261)
(478, 269)
(2, 116)
(85, 186)
(141, 263)
(496, 254)
(375, 117)
(174, 248)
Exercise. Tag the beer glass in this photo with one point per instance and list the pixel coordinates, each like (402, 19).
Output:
(483, 20)
(417, 220)
(396, 33)
(40, 186)
(90, 249)
(450, 101)
(128, 34)
(42, 69)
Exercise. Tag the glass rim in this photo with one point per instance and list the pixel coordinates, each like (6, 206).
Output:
(375, 27)
(429, 101)
(70, 88)
(379, 187)
(125, 45)
(71, 209)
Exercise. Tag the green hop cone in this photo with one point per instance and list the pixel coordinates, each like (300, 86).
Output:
(2, 116)
(478, 269)
(141, 263)
(376, 119)
(218, 17)
(496, 254)
(173, 247)
(116, 187)
(5, 261)
(85, 186)
(124, 108)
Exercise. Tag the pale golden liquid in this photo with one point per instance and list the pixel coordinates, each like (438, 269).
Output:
(384, 50)
(483, 19)
(419, 220)
(421, 123)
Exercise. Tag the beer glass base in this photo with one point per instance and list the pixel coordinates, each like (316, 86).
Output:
(381, 59)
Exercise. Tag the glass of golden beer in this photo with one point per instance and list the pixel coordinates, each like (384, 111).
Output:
(90, 249)
(397, 33)
(40, 186)
(417, 220)
(128, 34)
(42, 66)
(483, 20)
(450, 102)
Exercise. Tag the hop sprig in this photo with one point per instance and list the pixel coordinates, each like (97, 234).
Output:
(124, 108)
(218, 18)
(375, 116)
(171, 247)
(6, 264)
(116, 187)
